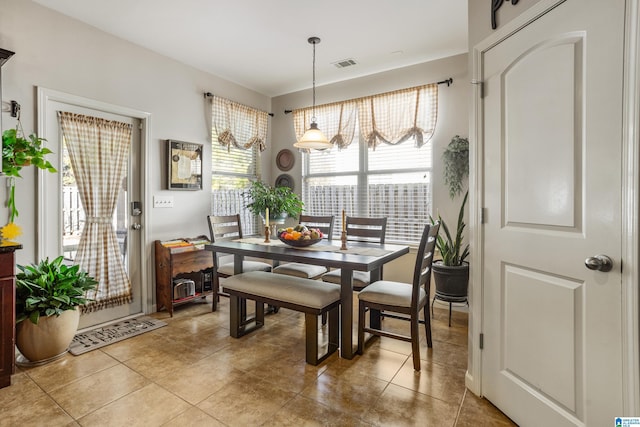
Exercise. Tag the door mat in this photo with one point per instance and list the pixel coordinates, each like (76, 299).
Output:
(104, 336)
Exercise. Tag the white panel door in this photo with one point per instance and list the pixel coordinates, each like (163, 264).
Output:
(552, 191)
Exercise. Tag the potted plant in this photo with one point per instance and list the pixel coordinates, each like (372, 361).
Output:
(280, 201)
(18, 152)
(47, 295)
(451, 272)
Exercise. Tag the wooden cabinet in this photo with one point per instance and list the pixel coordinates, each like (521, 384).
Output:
(7, 311)
(171, 263)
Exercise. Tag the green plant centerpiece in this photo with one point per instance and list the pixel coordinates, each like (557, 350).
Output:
(451, 272)
(18, 152)
(47, 295)
(280, 201)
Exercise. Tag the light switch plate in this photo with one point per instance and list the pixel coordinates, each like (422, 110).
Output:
(162, 201)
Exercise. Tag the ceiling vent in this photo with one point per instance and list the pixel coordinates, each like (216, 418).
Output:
(343, 63)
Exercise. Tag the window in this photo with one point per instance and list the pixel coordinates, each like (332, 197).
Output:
(388, 172)
(392, 181)
(238, 134)
(232, 171)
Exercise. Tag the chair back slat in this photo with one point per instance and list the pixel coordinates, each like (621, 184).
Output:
(363, 229)
(424, 259)
(323, 223)
(224, 227)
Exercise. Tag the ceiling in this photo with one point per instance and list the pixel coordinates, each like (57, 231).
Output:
(262, 44)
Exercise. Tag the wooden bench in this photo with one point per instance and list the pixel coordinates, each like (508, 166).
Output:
(312, 297)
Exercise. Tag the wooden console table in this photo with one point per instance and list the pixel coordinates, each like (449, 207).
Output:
(170, 263)
(7, 310)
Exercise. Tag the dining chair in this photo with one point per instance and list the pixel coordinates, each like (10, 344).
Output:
(229, 227)
(360, 229)
(404, 298)
(324, 224)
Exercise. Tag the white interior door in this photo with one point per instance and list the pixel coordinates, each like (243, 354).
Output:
(552, 192)
(62, 227)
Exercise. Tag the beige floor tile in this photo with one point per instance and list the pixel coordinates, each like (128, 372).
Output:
(399, 406)
(149, 406)
(205, 342)
(444, 353)
(247, 354)
(193, 417)
(91, 392)
(172, 357)
(22, 389)
(348, 391)
(136, 346)
(201, 322)
(476, 411)
(375, 361)
(440, 381)
(301, 411)
(290, 373)
(40, 412)
(246, 401)
(70, 368)
(194, 383)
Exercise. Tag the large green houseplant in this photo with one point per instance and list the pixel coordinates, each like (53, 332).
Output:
(281, 201)
(47, 296)
(451, 272)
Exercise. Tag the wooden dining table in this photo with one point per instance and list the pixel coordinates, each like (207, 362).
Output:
(358, 256)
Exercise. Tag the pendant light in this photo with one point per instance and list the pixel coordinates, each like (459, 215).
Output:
(313, 138)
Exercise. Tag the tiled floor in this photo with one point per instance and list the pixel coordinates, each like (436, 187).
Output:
(191, 373)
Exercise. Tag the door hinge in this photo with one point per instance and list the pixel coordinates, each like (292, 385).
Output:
(140, 125)
(483, 215)
(481, 84)
(481, 341)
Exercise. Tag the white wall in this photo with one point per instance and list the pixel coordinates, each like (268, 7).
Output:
(453, 118)
(57, 52)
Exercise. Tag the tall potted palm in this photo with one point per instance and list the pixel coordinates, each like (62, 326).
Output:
(451, 272)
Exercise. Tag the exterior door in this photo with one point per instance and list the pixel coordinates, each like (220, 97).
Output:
(63, 225)
(552, 140)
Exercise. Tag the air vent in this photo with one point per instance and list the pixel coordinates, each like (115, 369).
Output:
(345, 63)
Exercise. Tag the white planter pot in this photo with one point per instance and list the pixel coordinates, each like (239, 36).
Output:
(49, 338)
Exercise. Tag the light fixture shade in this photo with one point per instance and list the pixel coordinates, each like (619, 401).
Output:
(313, 138)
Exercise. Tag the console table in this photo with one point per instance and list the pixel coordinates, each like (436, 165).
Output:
(7, 310)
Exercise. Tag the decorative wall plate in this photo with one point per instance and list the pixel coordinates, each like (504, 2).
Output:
(285, 180)
(285, 160)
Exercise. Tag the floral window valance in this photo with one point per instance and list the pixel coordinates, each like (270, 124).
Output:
(238, 125)
(391, 117)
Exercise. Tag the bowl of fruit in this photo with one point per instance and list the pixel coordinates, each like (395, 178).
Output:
(299, 236)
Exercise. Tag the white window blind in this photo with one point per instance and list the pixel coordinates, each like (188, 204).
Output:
(394, 181)
(232, 170)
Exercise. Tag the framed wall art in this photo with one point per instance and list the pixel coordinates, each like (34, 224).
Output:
(185, 165)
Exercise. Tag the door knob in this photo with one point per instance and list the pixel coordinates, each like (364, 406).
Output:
(599, 262)
(136, 226)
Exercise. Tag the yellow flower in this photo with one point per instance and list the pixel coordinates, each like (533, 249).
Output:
(11, 231)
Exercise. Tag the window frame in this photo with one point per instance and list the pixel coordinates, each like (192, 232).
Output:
(362, 187)
(248, 220)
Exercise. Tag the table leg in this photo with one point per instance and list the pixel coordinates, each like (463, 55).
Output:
(346, 314)
(216, 286)
(237, 269)
(237, 264)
